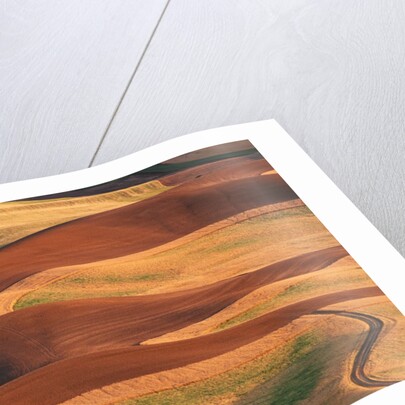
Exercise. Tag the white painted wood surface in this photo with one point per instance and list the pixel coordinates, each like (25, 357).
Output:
(331, 73)
(63, 68)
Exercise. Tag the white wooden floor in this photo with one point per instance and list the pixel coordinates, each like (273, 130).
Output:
(84, 82)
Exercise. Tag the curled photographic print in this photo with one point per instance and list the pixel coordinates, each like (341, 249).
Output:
(204, 279)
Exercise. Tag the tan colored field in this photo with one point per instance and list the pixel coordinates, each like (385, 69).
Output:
(341, 275)
(9, 297)
(232, 249)
(22, 218)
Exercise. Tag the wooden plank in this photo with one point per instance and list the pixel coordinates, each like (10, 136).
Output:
(63, 68)
(330, 72)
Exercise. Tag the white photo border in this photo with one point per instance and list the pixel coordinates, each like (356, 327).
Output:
(347, 224)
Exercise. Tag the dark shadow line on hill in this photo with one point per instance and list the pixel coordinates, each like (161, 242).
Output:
(143, 176)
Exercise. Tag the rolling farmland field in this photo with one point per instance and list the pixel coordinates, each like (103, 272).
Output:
(201, 280)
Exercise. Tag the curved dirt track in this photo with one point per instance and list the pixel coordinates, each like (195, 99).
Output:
(358, 375)
(146, 224)
(43, 334)
(68, 378)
